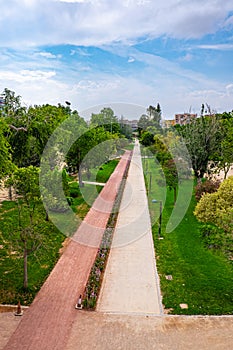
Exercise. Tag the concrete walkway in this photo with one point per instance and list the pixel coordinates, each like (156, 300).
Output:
(130, 283)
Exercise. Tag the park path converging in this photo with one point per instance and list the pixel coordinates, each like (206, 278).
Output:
(46, 325)
(131, 283)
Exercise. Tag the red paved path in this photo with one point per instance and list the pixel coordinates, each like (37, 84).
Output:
(47, 323)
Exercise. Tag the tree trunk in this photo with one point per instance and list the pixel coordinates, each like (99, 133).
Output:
(80, 181)
(25, 267)
(175, 195)
(10, 193)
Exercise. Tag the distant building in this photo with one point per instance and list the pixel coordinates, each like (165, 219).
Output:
(168, 123)
(184, 118)
(132, 123)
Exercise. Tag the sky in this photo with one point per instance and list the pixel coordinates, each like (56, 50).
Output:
(125, 54)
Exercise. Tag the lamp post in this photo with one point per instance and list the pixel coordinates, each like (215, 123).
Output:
(160, 215)
(149, 172)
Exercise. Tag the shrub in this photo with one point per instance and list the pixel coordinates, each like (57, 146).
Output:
(74, 192)
(211, 235)
(208, 186)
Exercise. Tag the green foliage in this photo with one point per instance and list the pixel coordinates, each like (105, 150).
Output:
(6, 166)
(223, 156)
(26, 184)
(54, 196)
(151, 121)
(215, 238)
(106, 170)
(39, 264)
(107, 120)
(147, 139)
(91, 149)
(206, 186)
(217, 207)
(126, 130)
(29, 129)
(12, 104)
(201, 136)
(171, 176)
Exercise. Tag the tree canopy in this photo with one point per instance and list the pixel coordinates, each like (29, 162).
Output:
(201, 138)
(217, 208)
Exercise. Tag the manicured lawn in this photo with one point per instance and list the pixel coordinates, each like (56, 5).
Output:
(201, 278)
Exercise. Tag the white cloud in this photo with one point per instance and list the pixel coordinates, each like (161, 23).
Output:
(40, 76)
(44, 22)
(221, 47)
(25, 76)
(131, 59)
(48, 55)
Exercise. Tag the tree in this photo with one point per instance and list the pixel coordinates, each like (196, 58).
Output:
(217, 208)
(155, 116)
(200, 137)
(30, 128)
(107, 119)
(12, 104)
(54, 199)
(223, 157)
(147, 139)
(6, 166)
(150, 121)
(32, 131)
(26, 184)
(171, 176)
(207, 186)
(143, 123)
(82, 147)
(125, 129)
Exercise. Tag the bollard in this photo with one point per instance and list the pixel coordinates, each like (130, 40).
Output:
(79, 303)
(19, 311)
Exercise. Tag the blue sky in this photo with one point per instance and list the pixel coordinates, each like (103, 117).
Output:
(119, 53)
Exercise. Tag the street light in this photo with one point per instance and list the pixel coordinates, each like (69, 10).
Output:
(149, 172)
(160, 215)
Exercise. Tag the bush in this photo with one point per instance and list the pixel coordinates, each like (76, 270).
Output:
(211, 235)
(70, 200)
(208, 186)
(74, 192)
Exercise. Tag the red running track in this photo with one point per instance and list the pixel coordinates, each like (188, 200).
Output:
(46, 325)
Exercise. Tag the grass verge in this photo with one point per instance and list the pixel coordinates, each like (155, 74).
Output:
(201, 278)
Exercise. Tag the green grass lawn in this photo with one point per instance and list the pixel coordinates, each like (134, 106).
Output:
(41, 262)
(201, 278)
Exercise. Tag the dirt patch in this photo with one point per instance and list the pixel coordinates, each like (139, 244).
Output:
(10, 308)
(4, 195)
